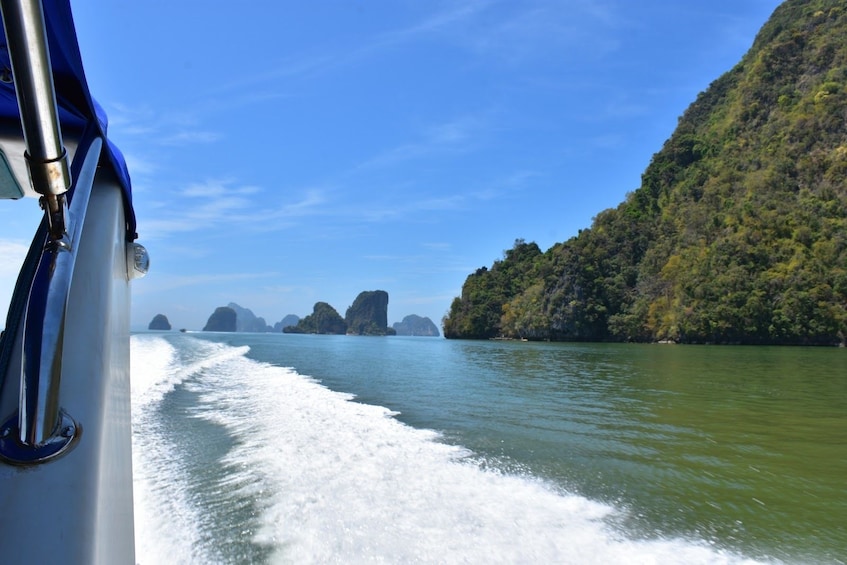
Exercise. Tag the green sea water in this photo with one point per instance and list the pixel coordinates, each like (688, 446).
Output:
(743, 446)
(740, 448)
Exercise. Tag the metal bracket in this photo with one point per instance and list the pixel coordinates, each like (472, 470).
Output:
(13, 451)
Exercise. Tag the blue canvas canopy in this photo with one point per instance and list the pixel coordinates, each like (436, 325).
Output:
(79, 113)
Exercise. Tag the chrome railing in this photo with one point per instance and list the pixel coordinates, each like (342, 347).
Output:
(43, 429)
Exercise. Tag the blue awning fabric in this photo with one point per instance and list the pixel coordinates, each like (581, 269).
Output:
(78, 111)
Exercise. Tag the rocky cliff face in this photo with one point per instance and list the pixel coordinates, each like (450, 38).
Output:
(369, 314)
(159, 322)
(222, 320)
(417, 326)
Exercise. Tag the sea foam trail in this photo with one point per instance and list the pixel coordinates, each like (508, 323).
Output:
(334, 480)
(166, 524)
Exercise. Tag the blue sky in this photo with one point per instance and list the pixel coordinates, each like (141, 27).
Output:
(284, 153)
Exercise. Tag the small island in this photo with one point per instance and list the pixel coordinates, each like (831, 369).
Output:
(416, 326)
(159, 323)
(289, 320)
(222, 320)
(247, 321)
(324, 319)
(369, 314)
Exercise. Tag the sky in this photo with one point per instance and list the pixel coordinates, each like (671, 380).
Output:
(284, 152)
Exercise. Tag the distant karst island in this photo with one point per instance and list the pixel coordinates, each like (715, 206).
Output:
(159, 322)
(368, 315)
(416, 326)
(221, 320)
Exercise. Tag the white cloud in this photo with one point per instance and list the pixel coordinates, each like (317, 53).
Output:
(309, 204)
(165, 282)
(139, 166)
(175, 128)
(309, 65)
(451, 137)
(187, 137)
(12, 255)
(221, 203)
(217, 187)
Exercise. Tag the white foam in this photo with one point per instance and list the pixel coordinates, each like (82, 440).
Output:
(341, 481)
(167, 525)
(156, 369)
(153, 371)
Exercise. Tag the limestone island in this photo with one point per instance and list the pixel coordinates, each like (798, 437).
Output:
(324, 319)
(159, 322)
(416, 326)
(222, 320)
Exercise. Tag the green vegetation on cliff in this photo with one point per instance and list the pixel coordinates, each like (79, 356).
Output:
(738, 233)
(324, 319)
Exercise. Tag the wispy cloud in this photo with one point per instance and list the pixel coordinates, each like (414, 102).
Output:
(515, 33)
(164, 282)
(437, 22)
(157, 128)
(140, 166)
(200, 206)
(417, 204)
(413, 208)
(138, 120)
(450, 137)
(309, 65)
(189, 137)
(308, 205)
(301, 67)
(223, 203)
(218, 187)
(12, 253)
(283, 215)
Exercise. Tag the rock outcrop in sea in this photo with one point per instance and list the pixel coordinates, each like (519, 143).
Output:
(247, 321)
(324, 319)
(289, 320)
(369, 314)
(222, 320)
(159, 322)
(417, 326)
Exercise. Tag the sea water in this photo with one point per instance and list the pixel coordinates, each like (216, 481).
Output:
(275, 448)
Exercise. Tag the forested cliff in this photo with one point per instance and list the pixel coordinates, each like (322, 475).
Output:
(738, 233)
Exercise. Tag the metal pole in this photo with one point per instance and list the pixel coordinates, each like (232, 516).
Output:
(33, 77)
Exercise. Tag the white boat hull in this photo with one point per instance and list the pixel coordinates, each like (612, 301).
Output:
(77, 508)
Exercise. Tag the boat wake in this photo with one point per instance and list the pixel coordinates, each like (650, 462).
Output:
(303, 474)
